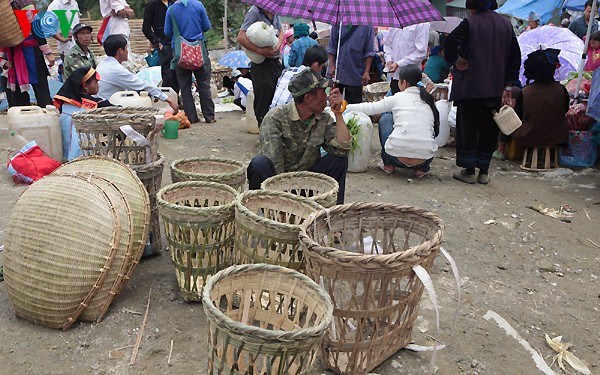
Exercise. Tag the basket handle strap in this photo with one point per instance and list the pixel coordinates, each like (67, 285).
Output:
(457, 279)
(426, 280)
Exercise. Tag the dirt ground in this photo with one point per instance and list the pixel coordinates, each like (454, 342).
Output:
(537, 272)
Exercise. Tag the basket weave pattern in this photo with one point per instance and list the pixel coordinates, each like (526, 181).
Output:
(267, 224)
(151, 177)
(220, 170)
(275, 328)
(10, 31)
(374, 290)
(198, 218)
(316, 186)
(99, 132)
(56, 260)
(130, 185)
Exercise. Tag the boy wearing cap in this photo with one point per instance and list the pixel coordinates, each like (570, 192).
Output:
(291, 135)
(79, 55)
(241, 87)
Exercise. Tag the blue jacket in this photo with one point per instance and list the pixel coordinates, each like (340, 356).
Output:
(192, 20)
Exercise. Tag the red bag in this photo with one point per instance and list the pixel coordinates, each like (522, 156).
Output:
(192, 56)
(30, 164)
(577, 119)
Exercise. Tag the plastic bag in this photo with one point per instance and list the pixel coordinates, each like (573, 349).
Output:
(582, 151)
(30, 164)
(577, 119)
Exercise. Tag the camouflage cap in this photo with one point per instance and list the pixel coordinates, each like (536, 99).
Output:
(306, 81)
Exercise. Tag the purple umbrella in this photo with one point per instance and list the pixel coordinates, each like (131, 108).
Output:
(393, 13)
(569, 44)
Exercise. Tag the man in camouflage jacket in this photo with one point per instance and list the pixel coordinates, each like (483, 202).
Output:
(292, 135)
(79, 55)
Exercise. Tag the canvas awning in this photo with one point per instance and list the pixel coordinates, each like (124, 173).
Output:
(546, 9)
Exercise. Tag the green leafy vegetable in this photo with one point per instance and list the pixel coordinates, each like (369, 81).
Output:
(354, 128)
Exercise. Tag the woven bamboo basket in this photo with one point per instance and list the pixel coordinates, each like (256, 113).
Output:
(125, 178)
(198, 219)
(374, 93)
(281, 336)
(10, 31)
(100, 134)
(217, 75)
(151, 177)
(220, 170)
(60, 249)
(267, 224)
(316, 186)
(374, 290)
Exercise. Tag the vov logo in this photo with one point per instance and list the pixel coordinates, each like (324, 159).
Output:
(44, 24)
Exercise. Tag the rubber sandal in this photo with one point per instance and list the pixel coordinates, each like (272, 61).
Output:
(421, 174)
(381, 166)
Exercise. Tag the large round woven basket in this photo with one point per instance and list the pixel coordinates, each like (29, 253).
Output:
(100, 134)
(220, 170)
(60, 249)
(267, 224)
(276, 328)
(10, 31)
(376, 293)
(198, 219)
(316, 186)
(127, 181)
(151, 177)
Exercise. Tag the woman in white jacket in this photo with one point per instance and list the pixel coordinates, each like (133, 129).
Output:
(407, 135)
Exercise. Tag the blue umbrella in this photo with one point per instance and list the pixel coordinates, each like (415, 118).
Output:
(235, 59)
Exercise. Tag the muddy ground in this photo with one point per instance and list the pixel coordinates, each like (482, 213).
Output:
(537, 272)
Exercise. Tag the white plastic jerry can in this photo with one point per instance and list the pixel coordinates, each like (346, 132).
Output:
(37, 124)
(251, 124)
(130, 99)
(358, 159)
(171, 94)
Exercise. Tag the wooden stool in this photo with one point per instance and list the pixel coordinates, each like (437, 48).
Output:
(540, 159)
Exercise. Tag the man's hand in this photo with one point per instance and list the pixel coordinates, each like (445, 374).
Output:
(507, 98)
(392, 67)
(366, 77)
(173, 105)
(130, 13)
(268, 52)
(332, 71)
(160, 46)
(335, 99)
(51, 60)
(462, 64)
(8, 65)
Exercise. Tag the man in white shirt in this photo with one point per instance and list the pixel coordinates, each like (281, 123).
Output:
(115, 77)
(119, 11)
(404, 47)
(241, 87)
(65, 43)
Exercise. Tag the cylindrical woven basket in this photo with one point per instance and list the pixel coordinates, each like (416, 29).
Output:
(217, 75)
(100, 134)
(374, 93)
(10, 31)
(375, 292)
(223, 171)
(60, 247)
(126, 179)
(267, 224)
(198, 219)
(276, 328)
(316, 186)
(151, 177)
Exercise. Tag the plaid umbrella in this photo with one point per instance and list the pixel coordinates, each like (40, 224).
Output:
(393, 13)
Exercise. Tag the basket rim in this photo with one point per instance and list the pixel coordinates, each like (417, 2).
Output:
(316, 175)
(263, 333)
(163, 203)
(331, 252)
(279, 194)
(239, 164)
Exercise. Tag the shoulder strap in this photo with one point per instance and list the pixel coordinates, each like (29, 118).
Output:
(242, 88)
(175, 28)
(348, 35)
